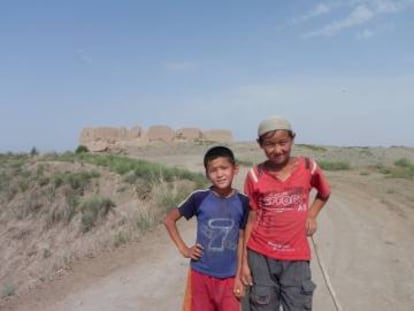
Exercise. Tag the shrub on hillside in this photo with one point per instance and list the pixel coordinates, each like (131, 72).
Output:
(334, 166)
(34, 152)
(81, 149)
(93, 209)
(313, 147)
(403, 163)
(402, 169)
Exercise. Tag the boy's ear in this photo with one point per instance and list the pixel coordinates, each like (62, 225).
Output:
(236, 169)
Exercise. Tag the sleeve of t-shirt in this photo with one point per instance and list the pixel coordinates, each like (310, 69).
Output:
(245, 206)
(188, 208)
(320, 183)
(249, 189)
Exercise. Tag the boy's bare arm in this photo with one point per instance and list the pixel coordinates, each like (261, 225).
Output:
(170, 223)
(315, 208)
(238, 286)
(246, 276)
(240, 246)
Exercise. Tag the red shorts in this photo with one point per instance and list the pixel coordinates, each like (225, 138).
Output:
(208, 293)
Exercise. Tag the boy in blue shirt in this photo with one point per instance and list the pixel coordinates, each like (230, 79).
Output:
(214, 281)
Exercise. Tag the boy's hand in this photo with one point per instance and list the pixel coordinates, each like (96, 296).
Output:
(310, 226)
(238, 289)
(246, 275)
(194, 252)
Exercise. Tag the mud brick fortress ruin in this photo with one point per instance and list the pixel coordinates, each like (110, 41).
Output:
(109, 138)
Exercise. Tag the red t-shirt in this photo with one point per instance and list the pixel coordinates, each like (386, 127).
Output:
(281, 208)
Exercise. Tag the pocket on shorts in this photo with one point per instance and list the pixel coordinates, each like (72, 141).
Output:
(308, 287)
(260, 295)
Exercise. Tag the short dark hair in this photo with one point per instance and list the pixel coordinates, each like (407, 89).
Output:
(217, 152)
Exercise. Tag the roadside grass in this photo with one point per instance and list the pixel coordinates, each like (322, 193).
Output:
(93, 209)
(21, 174)
(326, 165)
(247, 163)
(402, 168)
(334, 166)
(121, 238)
(8, 290)
(312, 147)
(169, 195)
(135, 168)
(77, 181)
(145, 221)
(57, 208)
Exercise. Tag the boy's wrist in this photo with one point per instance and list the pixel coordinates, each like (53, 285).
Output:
(183, 250)
(312, 214)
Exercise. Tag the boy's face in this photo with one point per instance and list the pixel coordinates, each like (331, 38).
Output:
(277, 146)
(221, 172)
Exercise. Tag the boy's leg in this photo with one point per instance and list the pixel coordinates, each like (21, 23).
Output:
(245, 301)
(187, 294)
(201, 299)
(264, 294)
(223, 295)
(297, 286)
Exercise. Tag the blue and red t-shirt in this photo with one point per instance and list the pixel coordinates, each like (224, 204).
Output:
(282, 207)
(219, 221)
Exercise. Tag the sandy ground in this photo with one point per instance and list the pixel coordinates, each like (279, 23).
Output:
(365, 239)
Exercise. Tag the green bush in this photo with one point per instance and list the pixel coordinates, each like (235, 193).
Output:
(147, 170)
(72, 202)
(120, 238)
(144, 221)
(34, 152)
(93, 209)
(76, 180)
(169, 195)
(402, 169)
(43, 181)
(247, 163)
(8, 290)
(405, 173)
(312, 147)
(334, 166)
(403, 163)
(81, 149)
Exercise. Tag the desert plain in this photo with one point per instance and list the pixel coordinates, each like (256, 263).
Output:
(365, 240)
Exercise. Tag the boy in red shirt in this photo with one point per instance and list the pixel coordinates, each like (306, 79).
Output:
(277, 254)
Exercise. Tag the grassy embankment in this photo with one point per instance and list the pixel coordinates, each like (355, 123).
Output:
(58, 208)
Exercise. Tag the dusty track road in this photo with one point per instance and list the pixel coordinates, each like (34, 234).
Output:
(365, 238)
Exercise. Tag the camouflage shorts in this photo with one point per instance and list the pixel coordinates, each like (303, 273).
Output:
(279, 283)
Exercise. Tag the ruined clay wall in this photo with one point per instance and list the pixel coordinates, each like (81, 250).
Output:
(108, 138)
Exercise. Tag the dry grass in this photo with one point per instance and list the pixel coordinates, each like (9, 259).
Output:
(56, 209)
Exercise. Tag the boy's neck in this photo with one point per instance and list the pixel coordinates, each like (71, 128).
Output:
(223, 193)
(276, 167)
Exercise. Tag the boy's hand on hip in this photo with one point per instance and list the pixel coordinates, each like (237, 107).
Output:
(194, 252)
(310, 226)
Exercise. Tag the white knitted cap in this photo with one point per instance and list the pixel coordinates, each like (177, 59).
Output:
(272, 124)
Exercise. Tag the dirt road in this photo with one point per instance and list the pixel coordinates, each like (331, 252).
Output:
(365, 241)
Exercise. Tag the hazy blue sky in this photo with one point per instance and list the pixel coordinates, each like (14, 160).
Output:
(341, 70)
